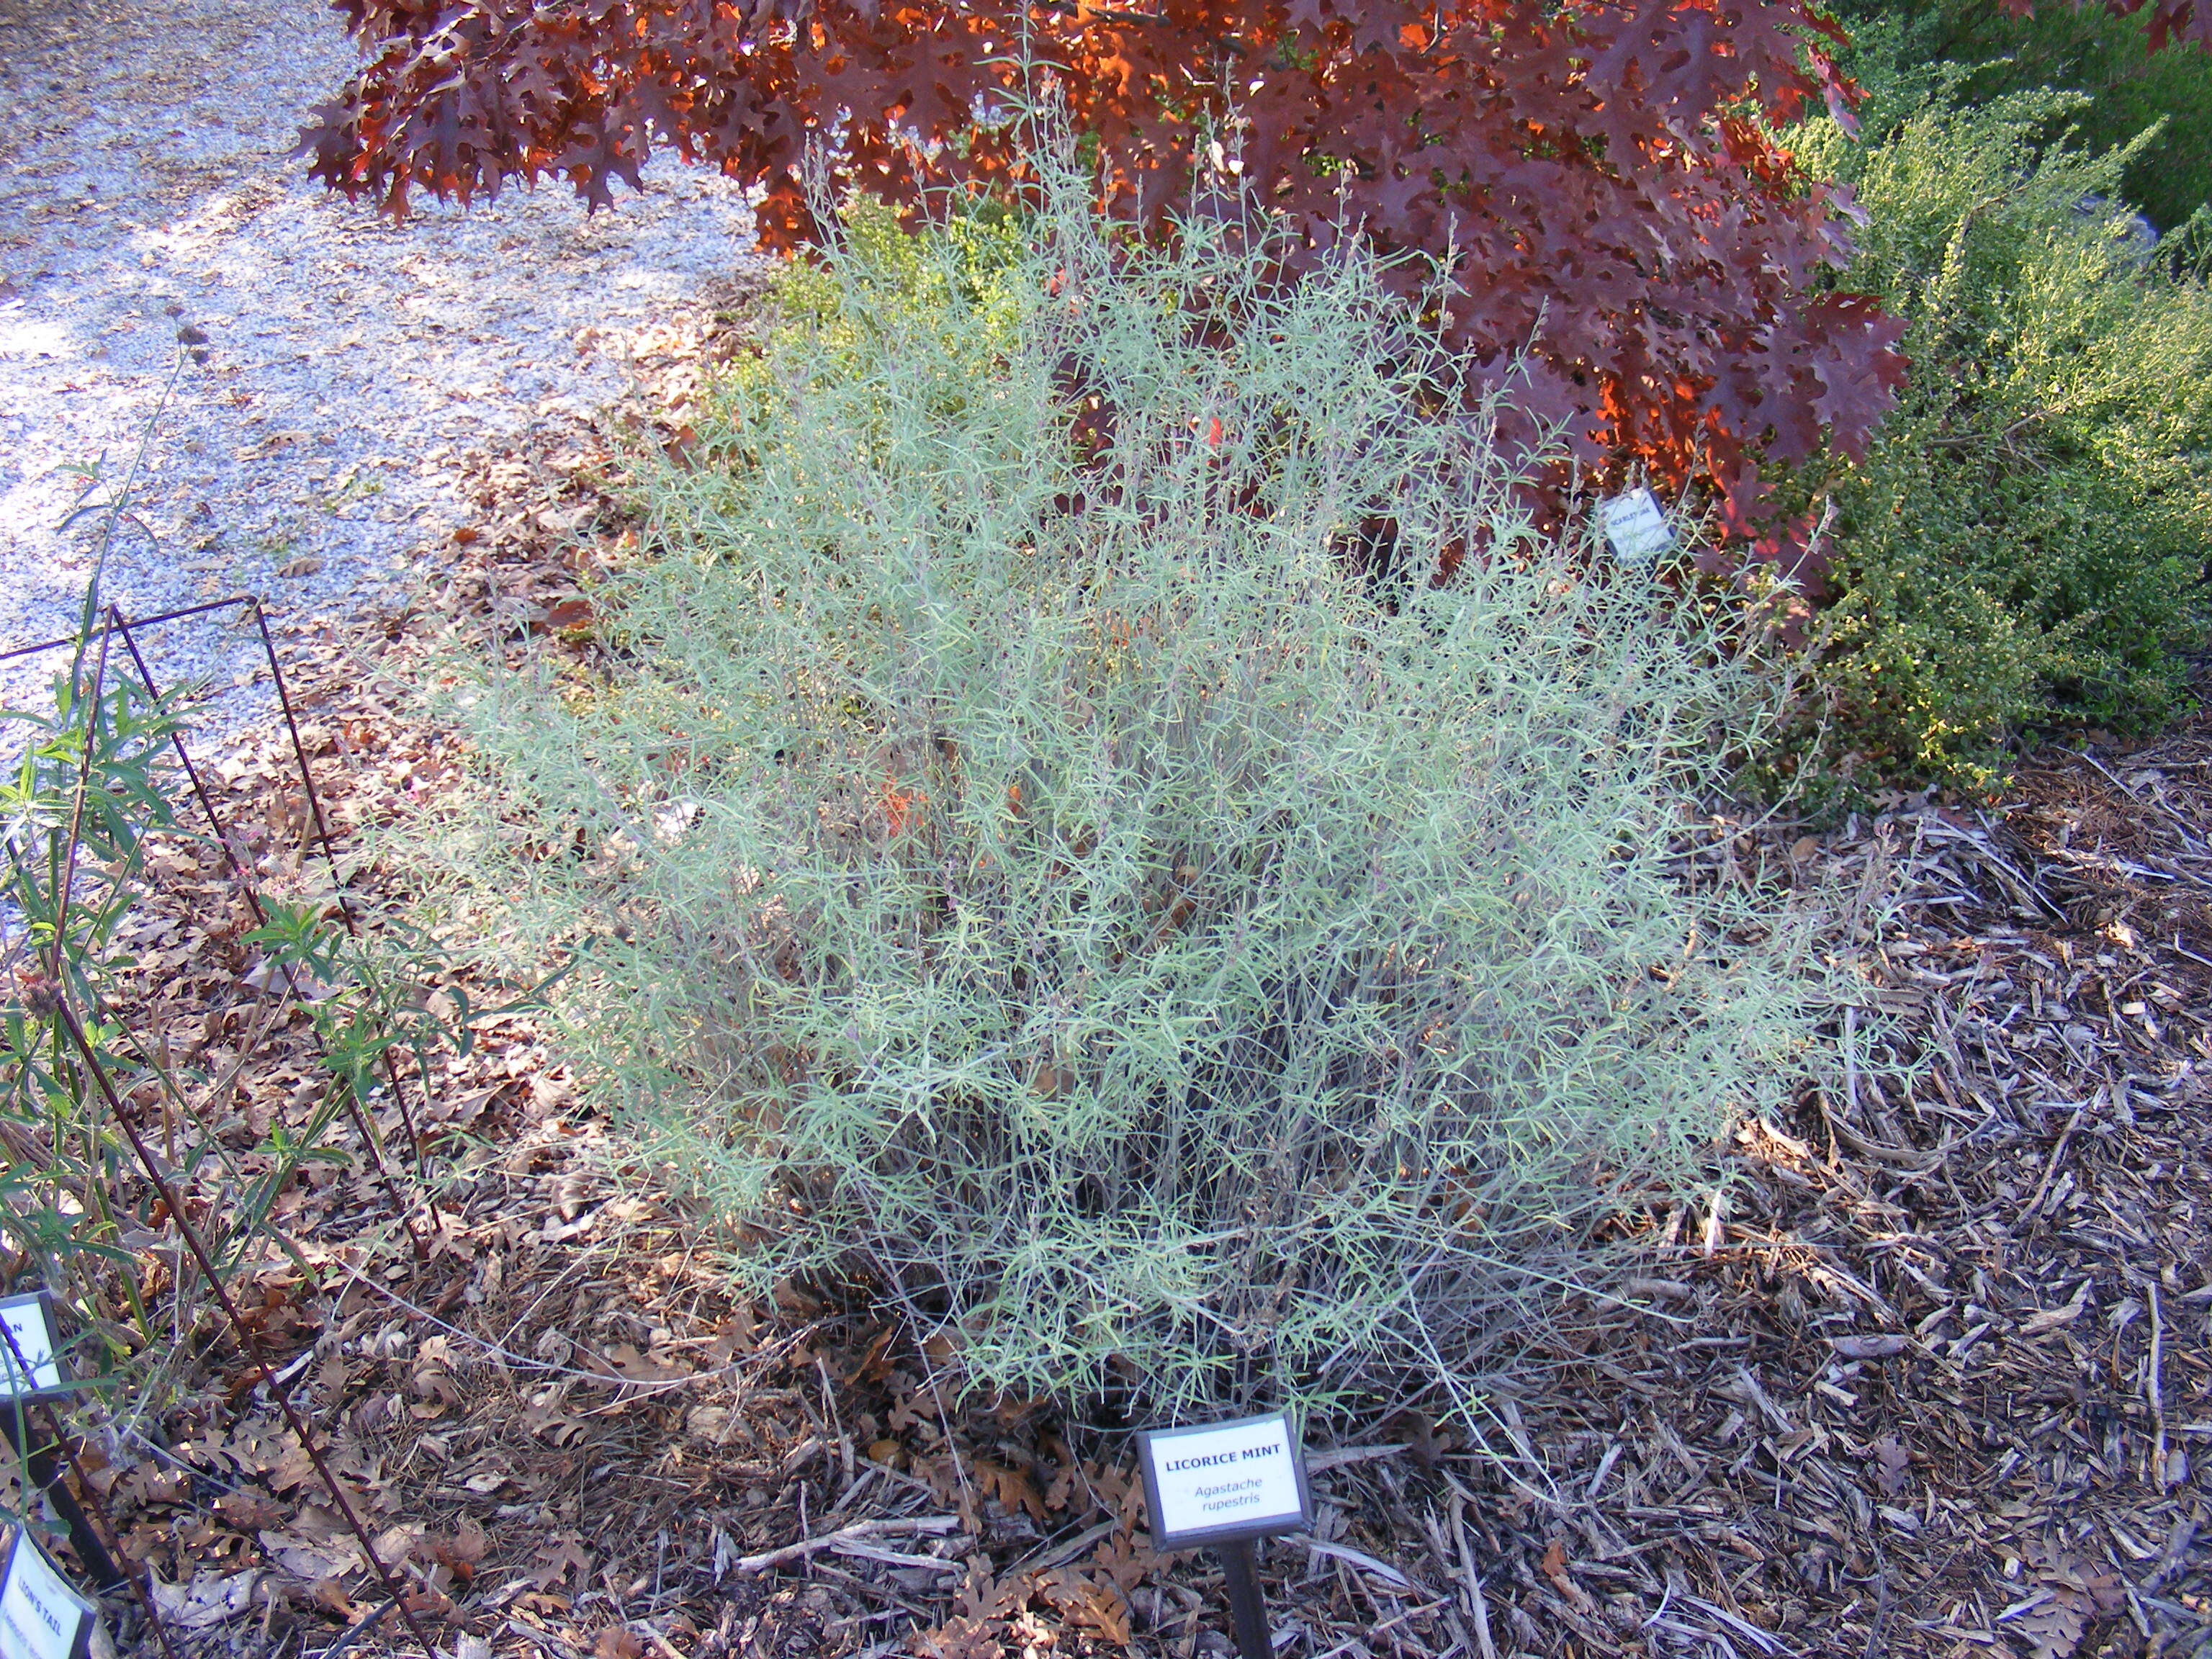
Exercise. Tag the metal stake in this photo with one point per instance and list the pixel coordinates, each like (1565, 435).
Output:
(133, 1573)
(192, 775)
(345, 910)
(1247, 1606)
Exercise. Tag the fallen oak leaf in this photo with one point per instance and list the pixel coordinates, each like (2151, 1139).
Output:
(1084, 1603)
(1892, 1462)
(959, 1637)
(207, 1600)
(312, 1562)
(250, 1511)
(982, 1598)
(464, 1550)
(558, 1560)
(1122, 1559)
(1555, 1567)
(329, 1595)
(1011, 1487)
(2052, 1627)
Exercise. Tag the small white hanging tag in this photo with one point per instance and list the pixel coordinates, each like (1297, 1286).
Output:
(1635, 527)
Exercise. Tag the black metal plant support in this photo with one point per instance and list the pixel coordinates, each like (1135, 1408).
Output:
(337, 885)
(249, 1339)
(90, 1547)
(251, 894)
(1247, 1604)
(116, 624)
(13, 1418)
(135, 1574)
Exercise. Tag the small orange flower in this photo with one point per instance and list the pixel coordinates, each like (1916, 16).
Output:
(899, 806)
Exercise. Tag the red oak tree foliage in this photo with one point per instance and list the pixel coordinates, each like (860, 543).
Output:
(1604, 173)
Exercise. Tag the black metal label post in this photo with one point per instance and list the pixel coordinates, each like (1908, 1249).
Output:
(1225, 1485)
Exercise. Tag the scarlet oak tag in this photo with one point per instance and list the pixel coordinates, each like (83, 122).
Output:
(1635, 527)
(42, 1616)
(31, 1335)
(1217, 1481)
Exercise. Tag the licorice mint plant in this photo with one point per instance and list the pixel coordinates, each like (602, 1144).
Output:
(1044, 878)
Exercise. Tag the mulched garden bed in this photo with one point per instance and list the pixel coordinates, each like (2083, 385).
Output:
(1925, 1372)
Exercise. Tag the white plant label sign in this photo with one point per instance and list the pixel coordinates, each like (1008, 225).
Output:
(42, 1616)
(25, 1317)
(1242, 1478)
(1635, 527)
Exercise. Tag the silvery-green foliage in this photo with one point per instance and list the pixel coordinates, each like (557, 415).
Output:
(1038, 883)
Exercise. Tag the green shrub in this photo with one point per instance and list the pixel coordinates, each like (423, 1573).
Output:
(2084, 49)
(1040, 887)
(2025, 541)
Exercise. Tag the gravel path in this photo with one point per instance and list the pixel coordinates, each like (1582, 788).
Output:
(145, 185)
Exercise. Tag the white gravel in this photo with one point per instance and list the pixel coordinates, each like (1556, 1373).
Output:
(145, 184)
